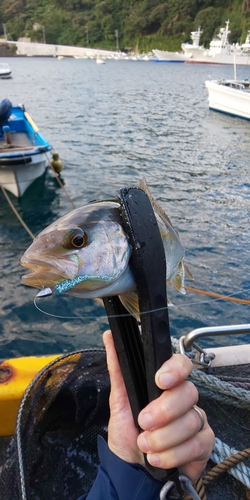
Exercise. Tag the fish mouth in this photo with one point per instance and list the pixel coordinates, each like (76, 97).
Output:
(48, 273)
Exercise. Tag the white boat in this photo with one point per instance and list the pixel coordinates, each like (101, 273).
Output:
(99, 60)
(5, 71)
(24, 152)
(165, 56)
(220, 50)
(230, 96)
(188, 50)
(194, 49)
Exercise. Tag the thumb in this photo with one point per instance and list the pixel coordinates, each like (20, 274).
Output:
(122, 433)
(118, 395)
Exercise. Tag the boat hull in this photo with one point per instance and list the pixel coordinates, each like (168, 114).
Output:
(5, 71)
(226, 59)
(5, 76)
(15, 376)
(165, 56)
(232, 101)
(16, 178)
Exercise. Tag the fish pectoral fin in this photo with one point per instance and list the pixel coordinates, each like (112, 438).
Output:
(131, 303)
(188, 273)
(177, 278)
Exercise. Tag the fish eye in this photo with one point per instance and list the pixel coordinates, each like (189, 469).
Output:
(79, 240)
(75, 238)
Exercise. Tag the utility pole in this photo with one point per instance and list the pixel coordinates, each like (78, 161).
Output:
(87, 34)
(6, 33)
(117, 39)
(44, 39)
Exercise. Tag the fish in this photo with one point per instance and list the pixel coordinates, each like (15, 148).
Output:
(86, 254)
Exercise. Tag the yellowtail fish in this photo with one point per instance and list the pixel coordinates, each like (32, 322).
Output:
(86, 254)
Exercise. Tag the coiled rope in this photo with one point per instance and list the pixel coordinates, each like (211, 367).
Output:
(222, 391)
(232, 464)
(226, 459)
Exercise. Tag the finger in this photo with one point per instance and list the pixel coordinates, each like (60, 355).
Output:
(190, 457)
(174, 371)
(171, 405)
(173, 434)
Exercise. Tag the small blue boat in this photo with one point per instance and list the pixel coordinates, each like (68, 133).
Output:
(24, 152)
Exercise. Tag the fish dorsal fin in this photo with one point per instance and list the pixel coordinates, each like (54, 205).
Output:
(188, 273)
(131, 303)
(177, 278)
(143, 185)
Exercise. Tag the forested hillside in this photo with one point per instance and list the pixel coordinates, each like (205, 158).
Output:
(137, 24)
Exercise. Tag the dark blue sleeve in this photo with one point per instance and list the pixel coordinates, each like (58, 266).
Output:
(119, 480)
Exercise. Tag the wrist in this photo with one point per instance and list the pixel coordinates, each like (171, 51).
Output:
(131, 456)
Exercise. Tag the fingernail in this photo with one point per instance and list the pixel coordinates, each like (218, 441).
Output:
(146, 421)
(142, 443)
(153, 459)
(165, 380)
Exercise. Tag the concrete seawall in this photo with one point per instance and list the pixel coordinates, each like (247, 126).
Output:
(43, 49)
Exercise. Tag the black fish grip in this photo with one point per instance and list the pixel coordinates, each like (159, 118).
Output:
(142, 353)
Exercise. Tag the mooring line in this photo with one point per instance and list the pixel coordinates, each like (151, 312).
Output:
(216, 295)
(17, 214)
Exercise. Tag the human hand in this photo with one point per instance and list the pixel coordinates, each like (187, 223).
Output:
(171, 436)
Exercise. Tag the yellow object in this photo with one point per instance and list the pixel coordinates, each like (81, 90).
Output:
(15, 376)
(31, 121)
(56, 162)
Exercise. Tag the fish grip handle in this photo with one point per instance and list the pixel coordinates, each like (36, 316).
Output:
(146, 351)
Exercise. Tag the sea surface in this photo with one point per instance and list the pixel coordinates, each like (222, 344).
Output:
(112, 124)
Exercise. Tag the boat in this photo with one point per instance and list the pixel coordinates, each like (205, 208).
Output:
(5, 71)
(194, 49)
(24, 152)
(165, 56)
(230, 96)
(220, 51)
(188, 50)
(99, 60)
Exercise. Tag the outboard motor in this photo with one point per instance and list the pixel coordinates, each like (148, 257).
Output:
(5, 110)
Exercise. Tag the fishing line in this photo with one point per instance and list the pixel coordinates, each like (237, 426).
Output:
(179, 307)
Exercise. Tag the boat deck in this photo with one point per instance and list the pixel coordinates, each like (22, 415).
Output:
(19, 141)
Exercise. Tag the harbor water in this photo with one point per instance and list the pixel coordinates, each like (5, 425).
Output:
(113, 124)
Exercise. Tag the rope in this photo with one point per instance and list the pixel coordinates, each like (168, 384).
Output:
(231, 460)
(216, 295)
(200, 489)
(222, 391)
(17, 214)
(231, 464)
(227, 459)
